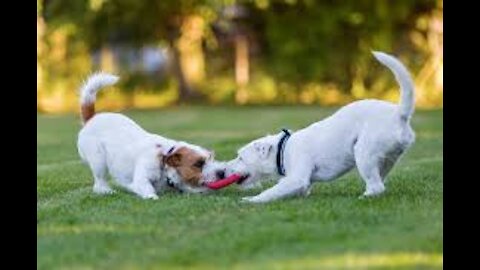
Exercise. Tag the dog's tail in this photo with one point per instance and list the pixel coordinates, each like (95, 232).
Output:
(88, 93)
(407, 100)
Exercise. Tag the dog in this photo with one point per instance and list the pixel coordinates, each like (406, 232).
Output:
(370, 135)
(140, 162)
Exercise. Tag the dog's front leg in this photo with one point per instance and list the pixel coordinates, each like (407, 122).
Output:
(287, 186)
(297, 182)
(141, 184)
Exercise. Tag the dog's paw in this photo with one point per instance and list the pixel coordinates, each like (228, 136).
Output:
(151, 197)
(252, 199)
(103, 190)
(362, 197)
(248, 199)
(368, 195)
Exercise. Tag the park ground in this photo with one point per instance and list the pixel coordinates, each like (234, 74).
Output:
(330, 229)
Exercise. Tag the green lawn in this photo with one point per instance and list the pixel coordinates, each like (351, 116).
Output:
(331, 229)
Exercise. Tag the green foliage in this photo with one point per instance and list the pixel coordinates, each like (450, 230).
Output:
(294, 42)
(127, 21)
(328, 42)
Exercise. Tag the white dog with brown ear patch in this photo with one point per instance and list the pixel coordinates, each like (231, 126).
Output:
(139, 161)
(368, 134)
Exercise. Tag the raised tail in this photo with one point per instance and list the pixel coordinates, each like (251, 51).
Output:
(407, 95)
(88, 92)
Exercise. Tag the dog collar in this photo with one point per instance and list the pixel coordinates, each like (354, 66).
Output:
(280, 151)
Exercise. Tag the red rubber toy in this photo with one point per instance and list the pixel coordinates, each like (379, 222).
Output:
(224, 182)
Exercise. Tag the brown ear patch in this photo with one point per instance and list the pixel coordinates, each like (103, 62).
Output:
(174, 160)
(186, 161)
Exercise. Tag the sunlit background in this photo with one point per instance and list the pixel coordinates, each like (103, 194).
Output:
(236, 52)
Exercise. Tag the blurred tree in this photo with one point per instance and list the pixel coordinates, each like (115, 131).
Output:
(251, 51)
(428, 38)
(321, 42)
(232, 29)
(328, 42)
(179, 23)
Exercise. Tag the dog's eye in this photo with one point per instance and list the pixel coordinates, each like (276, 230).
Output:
(199, 164)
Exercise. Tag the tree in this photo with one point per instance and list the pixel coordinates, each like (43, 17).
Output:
(137, 23)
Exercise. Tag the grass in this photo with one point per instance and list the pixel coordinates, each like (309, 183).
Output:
(331, 229)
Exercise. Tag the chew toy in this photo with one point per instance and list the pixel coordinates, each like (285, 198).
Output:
(224, 182)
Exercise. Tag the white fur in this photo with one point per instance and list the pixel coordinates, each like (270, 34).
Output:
(368, 134)
(112, 142)
(88, 91)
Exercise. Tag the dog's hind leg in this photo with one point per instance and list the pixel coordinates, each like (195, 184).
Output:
(391, 157)
(100, 185)
(387, 164)
(94, 155)
(369, 165)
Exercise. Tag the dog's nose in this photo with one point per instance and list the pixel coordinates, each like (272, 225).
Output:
(220, 174)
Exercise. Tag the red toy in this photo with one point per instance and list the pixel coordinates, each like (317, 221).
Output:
(224, 182)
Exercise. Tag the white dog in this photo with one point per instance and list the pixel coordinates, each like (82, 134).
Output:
(141, 162)
(368, 134)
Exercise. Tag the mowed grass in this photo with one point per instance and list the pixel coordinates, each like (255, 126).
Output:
(330, 229)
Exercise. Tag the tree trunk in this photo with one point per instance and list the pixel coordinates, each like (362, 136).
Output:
(241, 68)
(184, 89)
(40, 49)
(107, 60)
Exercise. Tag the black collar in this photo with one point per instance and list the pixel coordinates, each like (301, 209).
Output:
(280, 150)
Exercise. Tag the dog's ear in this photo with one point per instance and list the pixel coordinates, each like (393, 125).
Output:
(173, 157)
(263, 149)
